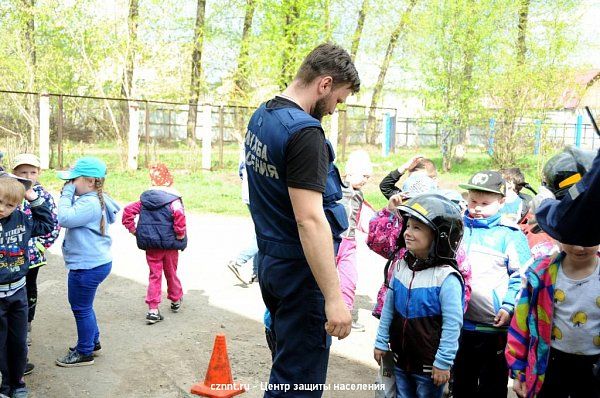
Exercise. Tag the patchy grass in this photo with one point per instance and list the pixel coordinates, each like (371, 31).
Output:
(219, 190)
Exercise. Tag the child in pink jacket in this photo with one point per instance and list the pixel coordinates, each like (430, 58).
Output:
(358, 172)
(161, 232)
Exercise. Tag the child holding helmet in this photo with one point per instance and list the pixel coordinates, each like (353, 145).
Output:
(423, 311)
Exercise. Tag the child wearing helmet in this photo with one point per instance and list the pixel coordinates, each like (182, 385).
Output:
(574, 179)
(423, 311)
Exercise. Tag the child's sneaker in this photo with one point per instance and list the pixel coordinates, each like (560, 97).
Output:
(97, 349)
(74, 358)
(254, 278)
(176, 305)
(153, 317)
(28, 369)
(235, 268)
(358, 327)
(20, 393)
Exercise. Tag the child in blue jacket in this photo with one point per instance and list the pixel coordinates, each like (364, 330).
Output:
(423, 311)
(86, 250)
(497, 253)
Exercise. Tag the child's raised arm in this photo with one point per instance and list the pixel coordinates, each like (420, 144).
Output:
(41, 216)
(45, 241)
(79, 213)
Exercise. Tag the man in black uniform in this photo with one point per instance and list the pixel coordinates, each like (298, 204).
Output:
(294, 187)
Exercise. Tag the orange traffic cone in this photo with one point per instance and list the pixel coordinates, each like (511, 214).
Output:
(218, 382)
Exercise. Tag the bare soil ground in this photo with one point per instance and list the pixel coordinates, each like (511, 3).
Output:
(166, 359)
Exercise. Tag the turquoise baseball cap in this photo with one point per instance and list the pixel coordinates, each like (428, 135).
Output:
(84, 167)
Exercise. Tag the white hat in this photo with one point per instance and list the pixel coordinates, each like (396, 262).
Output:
(26, 158)
(359, 163)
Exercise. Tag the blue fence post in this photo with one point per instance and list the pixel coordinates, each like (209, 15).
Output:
(491, 140)
(387, 133)
(538, 137)
(578, 131)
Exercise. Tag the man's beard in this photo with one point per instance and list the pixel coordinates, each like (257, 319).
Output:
(320, 107)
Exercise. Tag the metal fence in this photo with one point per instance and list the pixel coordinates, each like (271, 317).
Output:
(427, 132)
(80, 121)
(77, 122)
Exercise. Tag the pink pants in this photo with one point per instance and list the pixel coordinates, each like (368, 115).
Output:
(159, 260)
(346, 265)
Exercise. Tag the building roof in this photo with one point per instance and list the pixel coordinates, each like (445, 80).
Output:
(572, 96)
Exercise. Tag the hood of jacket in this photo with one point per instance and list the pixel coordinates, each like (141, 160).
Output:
(157, 197)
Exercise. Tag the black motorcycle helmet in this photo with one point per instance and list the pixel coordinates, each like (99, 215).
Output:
(443, 216)
(565, 169)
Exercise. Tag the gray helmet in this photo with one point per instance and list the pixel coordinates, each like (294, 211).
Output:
(565, 169)
(440, 214)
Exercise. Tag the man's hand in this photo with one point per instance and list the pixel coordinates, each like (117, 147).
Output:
(502, 318)
(31, 195)
(378, 355)
(440, 376)
(180, 237)
(520, 388)
(339, 320)
(410, 164)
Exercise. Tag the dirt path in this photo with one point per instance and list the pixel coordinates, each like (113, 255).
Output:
(165, 359)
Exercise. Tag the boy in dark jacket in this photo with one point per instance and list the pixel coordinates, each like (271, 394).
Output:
(160, 231)
(16, 228)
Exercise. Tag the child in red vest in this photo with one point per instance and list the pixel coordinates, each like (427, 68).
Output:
(161, 232)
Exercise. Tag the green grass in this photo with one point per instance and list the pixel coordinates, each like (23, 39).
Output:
(219, 190)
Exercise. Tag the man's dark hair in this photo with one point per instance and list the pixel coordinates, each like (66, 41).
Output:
(329, 59)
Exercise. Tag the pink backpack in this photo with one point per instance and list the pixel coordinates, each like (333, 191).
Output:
(384, 229)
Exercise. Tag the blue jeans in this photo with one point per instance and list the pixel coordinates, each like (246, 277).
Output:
(13, 340)
(249, 252)
(413, 385)
(83, 284)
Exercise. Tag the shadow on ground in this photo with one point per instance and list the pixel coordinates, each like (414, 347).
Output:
(161, 360)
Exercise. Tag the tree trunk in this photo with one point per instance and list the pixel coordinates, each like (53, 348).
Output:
(465, 106)
(328, 24)
(359, 28)
(196, 78)
(239, 91)
(372, 120)
(31, 65)
(290, 43)
(522, 34)
(127, 80)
